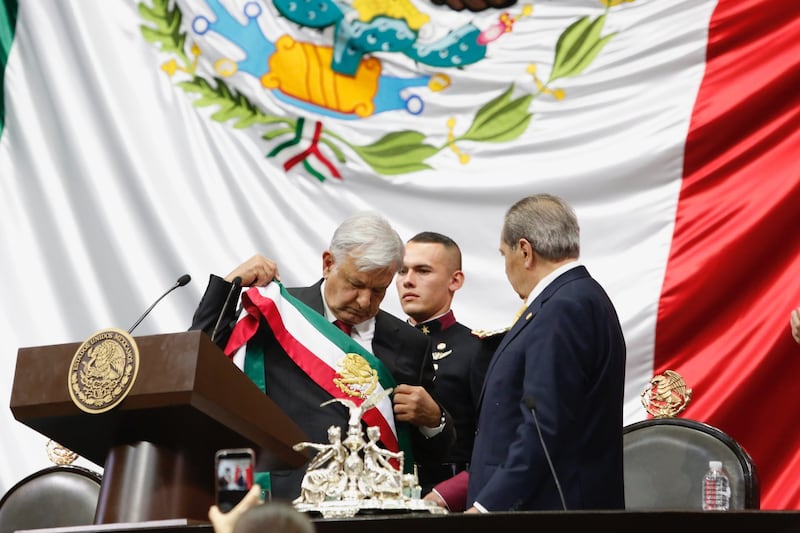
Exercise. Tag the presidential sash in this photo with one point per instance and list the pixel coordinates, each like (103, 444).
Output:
(336, 362)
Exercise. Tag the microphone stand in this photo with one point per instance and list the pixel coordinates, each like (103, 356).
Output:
(531, 404)
(183, 280)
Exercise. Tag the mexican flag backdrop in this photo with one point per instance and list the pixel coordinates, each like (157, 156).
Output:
(141, 140)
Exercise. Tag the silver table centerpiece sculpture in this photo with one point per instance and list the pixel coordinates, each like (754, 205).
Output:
(357, 475)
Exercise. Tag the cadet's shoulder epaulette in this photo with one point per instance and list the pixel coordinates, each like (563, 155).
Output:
(486, 333)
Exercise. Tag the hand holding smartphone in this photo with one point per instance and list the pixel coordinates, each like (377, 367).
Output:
(234, 474)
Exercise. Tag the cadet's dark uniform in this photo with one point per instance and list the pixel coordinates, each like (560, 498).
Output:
(460, 359)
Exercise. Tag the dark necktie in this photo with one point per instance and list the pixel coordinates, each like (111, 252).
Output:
(347, 328)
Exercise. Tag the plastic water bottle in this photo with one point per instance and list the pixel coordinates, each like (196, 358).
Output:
(716, 488)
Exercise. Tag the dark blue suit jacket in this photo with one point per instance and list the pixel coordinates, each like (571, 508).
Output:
(566, 352)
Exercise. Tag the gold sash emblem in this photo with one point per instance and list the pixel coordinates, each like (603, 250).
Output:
(356, 378)
(103, 370)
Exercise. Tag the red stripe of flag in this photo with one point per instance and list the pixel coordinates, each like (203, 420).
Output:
(733, 274)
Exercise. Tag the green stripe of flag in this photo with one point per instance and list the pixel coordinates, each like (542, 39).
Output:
(8, 21)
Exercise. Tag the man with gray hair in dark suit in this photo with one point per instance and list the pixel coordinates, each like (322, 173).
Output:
(361, 261)
(549, 433)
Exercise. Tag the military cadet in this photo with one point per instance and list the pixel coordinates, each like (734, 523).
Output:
(426, 283)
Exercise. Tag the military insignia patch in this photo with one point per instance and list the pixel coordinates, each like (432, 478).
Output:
(441, 351)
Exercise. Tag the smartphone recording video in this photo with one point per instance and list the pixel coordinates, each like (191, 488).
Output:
(234, 474)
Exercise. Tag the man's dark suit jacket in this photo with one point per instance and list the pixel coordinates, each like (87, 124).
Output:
(567, 354)
(404, 350)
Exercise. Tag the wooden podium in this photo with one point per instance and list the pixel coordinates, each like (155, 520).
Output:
(157, 446)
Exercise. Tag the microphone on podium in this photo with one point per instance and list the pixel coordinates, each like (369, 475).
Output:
(236, 284)
(183, 280)
(530, 403)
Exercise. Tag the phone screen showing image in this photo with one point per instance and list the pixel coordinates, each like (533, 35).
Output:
(234, 474)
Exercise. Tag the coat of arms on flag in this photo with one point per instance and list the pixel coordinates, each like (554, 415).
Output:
(355, 61)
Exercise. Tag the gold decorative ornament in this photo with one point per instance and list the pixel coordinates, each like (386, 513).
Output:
(356, 378)
(666, 395)
(60, 455)
(486, 333)
(103, 370)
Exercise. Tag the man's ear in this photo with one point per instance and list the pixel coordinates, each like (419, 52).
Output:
(327, 263)
(528, 255)
(456, 280)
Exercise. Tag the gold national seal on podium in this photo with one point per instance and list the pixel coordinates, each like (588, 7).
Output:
(103, 370)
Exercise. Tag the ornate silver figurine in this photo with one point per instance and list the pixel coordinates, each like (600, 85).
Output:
(357, 474)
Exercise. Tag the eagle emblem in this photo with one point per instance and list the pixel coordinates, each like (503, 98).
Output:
(356, 377)
(103, 370)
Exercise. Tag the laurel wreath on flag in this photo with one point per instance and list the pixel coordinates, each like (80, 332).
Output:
(502, 119)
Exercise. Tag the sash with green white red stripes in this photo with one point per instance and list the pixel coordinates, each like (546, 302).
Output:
(317, 347)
